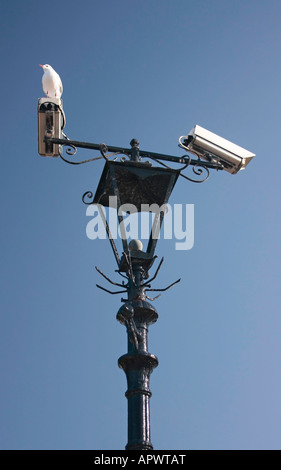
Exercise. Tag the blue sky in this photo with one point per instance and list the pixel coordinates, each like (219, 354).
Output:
(151, 70)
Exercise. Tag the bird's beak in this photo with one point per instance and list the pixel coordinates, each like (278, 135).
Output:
(41, 66)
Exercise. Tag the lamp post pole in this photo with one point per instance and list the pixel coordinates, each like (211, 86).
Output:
(137, 314)
(135, 182)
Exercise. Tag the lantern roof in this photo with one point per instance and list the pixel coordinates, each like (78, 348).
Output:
(135, 183)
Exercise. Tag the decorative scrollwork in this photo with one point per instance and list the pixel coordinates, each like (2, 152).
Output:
(71, 150)
(182, 142)
(124, 157)
(89, 195)
(199, 168)
(104, 152)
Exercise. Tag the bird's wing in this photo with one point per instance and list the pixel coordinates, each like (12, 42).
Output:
(60, 87)
(44, 84)
(59, 84)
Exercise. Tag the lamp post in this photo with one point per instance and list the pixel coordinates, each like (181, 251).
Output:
(143, 186)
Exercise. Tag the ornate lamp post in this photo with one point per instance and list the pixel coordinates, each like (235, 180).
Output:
(145, 187)
(140, 185)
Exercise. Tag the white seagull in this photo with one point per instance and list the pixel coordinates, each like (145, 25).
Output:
(51, 82)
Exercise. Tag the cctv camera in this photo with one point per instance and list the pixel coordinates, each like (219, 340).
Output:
(211, 147)
(51, 121)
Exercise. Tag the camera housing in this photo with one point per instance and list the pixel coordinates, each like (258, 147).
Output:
(51, 121)
(211, 147)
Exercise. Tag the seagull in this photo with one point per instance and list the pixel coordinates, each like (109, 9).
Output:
(51, 82)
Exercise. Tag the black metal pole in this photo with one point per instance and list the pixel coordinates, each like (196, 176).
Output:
(137, 314)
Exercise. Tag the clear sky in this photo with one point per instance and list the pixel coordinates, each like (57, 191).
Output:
(149, 69)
